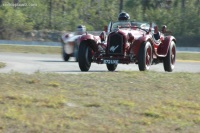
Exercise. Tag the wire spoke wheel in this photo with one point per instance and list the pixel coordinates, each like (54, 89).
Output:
(170, 59)
(145, 56)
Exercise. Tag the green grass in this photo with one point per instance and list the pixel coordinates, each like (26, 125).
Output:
(130, 102)
(188, 56)
(2, 64)
(30, 49)
(135, 102)
(57, 50)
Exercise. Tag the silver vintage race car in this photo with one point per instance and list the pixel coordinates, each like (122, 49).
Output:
(70, 43)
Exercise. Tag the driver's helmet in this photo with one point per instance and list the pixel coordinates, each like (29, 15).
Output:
(80, 29)
(123, 16)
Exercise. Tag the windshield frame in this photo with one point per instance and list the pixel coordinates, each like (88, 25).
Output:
(120, 24)
(132, 24)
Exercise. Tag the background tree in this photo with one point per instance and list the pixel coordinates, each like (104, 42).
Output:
(12, 20)
(181, 16)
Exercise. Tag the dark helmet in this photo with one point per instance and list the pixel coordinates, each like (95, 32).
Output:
(80, 29)
(123, 16)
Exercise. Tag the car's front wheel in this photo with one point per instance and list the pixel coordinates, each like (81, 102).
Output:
(84, 56)
(64, 54)
(145, 56)
(170, 59)
(111, 67)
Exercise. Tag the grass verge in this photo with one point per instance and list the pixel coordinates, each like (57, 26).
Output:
(188, 56)
(2, 64)
(100, 102)
(30, 49)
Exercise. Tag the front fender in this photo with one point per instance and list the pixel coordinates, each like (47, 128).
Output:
(91, 40)
(137, 43)
(164, 46)
(89, 37)
(144, 39)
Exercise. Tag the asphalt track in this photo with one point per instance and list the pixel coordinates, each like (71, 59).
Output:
(31, 63)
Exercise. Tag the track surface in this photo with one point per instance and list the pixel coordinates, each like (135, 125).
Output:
(31, 63)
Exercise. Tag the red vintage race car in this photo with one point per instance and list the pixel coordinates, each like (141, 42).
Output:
(128, 42)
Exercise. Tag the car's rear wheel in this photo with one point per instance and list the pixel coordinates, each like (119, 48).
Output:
(145, 56)
(84, 56)
(64, 54)
(111, 67)
(170, 59)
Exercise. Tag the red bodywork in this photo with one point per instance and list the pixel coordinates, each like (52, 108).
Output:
(132, 38)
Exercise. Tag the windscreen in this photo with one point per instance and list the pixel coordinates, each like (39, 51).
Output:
(129, 24)
(121, 24)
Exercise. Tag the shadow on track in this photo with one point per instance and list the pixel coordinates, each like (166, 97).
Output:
(56, 61)
(79, 72)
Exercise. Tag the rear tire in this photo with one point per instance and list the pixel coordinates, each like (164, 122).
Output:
(145, 56)
(84, 56)
(111, 67)
(170, 59)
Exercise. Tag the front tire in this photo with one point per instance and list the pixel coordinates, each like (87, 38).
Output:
(84, 56)
(111, 67)
(170, 59)
(145, 56)
(65, 55)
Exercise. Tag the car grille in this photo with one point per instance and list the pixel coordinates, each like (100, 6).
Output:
(115, 44)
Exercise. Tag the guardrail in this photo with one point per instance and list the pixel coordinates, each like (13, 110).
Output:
(30, 43)
(188, 49)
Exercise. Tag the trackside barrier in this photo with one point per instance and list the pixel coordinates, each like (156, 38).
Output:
(30, 43)
(37, 43)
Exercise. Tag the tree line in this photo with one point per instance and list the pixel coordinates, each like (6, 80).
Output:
(181, 16)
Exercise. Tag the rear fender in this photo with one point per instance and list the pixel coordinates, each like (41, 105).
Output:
(64, 38)
(164, 46)
(91, 41)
